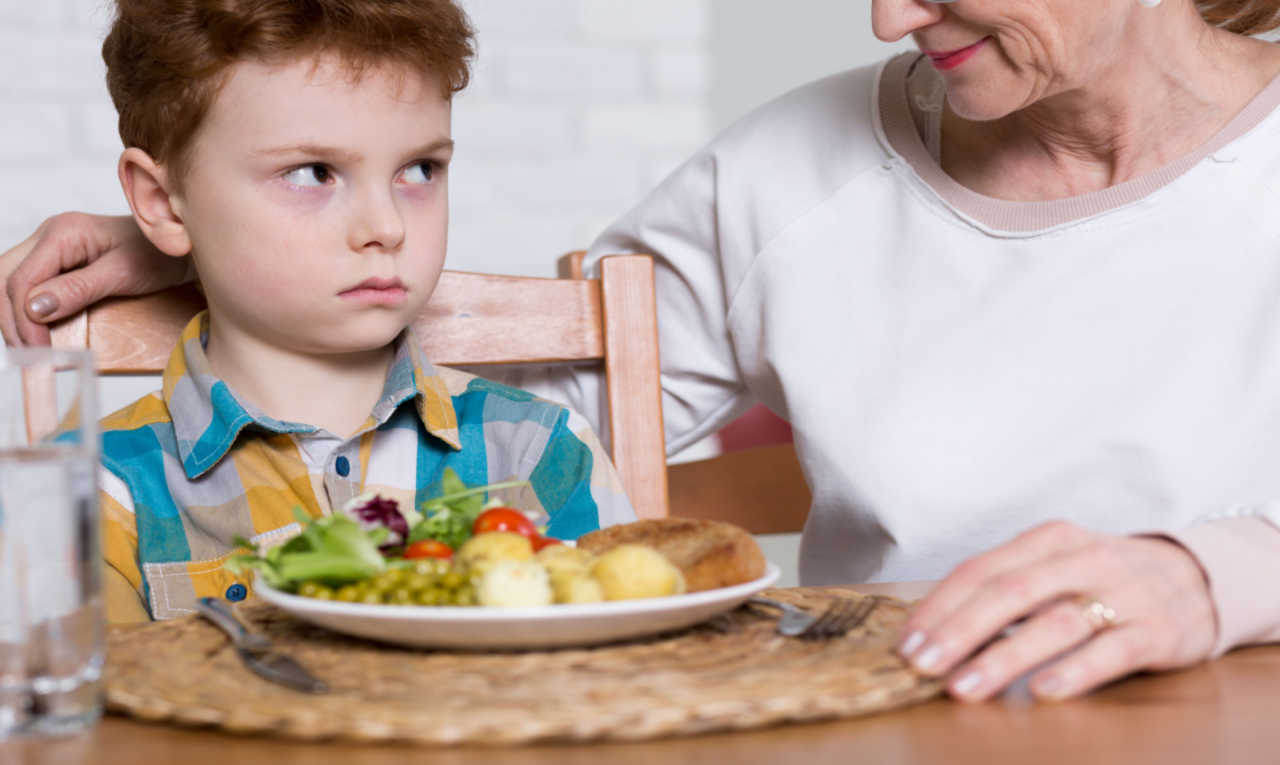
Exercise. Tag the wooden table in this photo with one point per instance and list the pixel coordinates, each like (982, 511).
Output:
(1223, 712)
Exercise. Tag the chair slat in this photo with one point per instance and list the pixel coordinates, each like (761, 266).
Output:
(632, 378)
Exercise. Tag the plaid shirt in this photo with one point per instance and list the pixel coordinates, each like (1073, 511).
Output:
(190, 467)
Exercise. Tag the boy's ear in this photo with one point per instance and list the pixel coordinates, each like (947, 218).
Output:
(153, 202)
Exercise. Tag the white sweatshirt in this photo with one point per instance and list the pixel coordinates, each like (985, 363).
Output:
(958, 368)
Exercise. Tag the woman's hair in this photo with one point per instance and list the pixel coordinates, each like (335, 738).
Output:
(167, 59)
(1247, 17)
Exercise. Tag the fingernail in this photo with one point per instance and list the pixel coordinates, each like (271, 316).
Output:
(912, 643)
(967, 683)
(928, 658)
(42, 304)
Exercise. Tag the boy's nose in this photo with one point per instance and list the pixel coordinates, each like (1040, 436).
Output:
(377, 224)
(893, 20)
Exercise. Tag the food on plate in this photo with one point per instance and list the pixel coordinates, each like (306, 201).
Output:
(428, 548)
(515, 584)
(628, 571)
(464, 549)
(570, 571)
(579, 589)
(709, 553)
(504, 519)
(480, 552)
(431, 582)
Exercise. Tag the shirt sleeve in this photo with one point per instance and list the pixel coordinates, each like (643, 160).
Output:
(1240, 556)
(122, 578)
(701, 383)
(680, 225)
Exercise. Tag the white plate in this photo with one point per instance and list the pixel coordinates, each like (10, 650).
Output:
(542, 627)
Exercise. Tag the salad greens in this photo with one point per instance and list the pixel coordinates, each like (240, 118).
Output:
(367, 536)
(333, 549)
(450, 516)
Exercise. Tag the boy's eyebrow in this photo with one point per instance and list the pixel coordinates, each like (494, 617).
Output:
(332, 152)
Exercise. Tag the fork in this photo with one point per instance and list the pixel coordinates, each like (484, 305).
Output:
(839, 617)
(256, 650)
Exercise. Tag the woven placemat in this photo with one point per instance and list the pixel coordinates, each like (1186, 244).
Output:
(734, 672)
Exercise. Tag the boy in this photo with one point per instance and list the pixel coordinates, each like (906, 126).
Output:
(298, 153)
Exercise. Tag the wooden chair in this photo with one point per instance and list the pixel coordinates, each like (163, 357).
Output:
(762, 489)
(475, 320)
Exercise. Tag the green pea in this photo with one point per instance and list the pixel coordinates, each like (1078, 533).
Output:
(387, 579)
(452, 580)
(371, 597)
(347, 593)
(322, 593)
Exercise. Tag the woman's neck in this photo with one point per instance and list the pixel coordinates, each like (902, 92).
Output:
(1138, 114)
(332, 391)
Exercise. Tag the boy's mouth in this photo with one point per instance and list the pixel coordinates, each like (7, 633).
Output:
(376, 292)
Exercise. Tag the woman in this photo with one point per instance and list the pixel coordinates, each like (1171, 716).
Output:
(1021, 280)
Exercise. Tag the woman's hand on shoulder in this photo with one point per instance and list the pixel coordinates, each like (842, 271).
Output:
(1092, 608)
(72, 261)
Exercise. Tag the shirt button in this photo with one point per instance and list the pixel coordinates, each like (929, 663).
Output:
(343, 466)
(236, 592)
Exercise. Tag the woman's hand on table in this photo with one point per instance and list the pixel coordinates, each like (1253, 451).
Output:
(71, 261)
(1155, 613)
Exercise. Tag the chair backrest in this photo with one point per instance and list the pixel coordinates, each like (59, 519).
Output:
(762, 489)
(473, 320)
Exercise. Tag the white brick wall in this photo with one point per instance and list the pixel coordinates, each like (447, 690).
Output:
(576, 108)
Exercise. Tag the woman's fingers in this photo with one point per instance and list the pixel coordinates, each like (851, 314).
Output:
(1110, 655)
(1153, 611)
(987, 593)
(72, 261)
(1005, 598)
(1055, 629)
(9, 307)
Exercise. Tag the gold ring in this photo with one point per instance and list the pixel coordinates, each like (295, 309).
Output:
(1097, 614)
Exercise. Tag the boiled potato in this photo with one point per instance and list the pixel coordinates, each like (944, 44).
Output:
(515, 584)
(577, 589)
(480, 552)
(565, 564)
(635, 571)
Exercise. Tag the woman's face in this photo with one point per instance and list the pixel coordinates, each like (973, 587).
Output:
(999, 56)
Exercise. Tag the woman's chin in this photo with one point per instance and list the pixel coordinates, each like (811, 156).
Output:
(982, 106)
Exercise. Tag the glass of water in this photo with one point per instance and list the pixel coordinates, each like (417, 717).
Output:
(51, 622)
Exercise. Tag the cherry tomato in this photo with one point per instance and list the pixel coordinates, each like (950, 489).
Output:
(504, 519)
(429, 548)
(541, 542)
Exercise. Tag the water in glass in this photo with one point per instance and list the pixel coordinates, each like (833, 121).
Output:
(51, 624)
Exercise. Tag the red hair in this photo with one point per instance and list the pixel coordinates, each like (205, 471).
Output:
(167, 59)
(1246, 17)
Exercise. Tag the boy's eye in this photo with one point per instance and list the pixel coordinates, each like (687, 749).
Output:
(308, 175)
(420, 172)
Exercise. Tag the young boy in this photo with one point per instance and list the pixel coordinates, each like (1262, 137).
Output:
(298, 152)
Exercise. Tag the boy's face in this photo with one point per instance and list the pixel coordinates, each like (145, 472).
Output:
(317, 207)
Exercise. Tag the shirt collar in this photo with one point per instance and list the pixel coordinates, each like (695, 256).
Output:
(207, 416)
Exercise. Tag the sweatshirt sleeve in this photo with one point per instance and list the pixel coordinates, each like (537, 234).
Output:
(679, 225)
(701, 383)
(1240, 555)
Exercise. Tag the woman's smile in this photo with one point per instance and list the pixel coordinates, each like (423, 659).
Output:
(950, 59)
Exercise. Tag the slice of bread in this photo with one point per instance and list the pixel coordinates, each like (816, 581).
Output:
(709, 553)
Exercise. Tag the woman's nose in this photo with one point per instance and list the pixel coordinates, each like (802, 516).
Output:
(893, 20)
(377, 223)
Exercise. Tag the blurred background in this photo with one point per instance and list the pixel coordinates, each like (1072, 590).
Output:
(576, 109)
